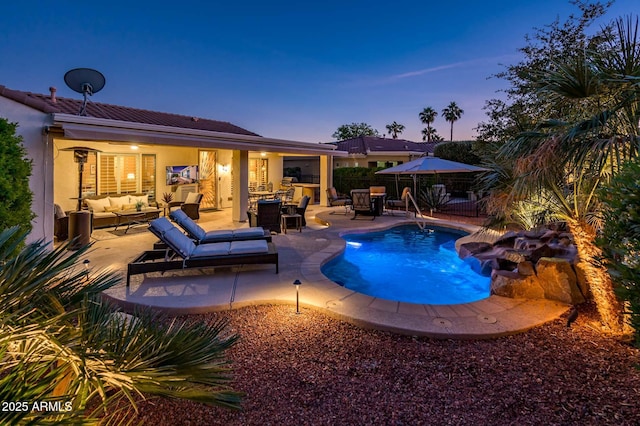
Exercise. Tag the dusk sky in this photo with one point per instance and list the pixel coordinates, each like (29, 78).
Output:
(282, 69)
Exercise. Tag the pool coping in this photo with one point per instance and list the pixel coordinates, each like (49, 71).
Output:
(193, 292)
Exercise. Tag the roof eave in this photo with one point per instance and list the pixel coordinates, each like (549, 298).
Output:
(92, 128)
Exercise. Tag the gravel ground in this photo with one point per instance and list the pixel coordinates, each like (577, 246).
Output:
(313, 369)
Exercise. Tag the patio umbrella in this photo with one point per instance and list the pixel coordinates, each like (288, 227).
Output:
(430, 165)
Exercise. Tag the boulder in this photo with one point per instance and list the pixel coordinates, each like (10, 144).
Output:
(506, 240)
(515, 286)
(513, 256)
(549, 236)
(559, 280)
(473, 248)
(525, 268)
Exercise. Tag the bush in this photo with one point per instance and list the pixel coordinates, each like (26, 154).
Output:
(462, 152)
(620, 238)
(15, 209)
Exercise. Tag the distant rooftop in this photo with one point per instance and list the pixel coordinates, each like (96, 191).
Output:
(51, 104)
(371, 144)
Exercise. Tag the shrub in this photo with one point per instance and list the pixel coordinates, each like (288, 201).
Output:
(620, 238)
(15, 209)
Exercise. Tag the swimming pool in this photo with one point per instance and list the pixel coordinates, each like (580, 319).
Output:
(408, 264)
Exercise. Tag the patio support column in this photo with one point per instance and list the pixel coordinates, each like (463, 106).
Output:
(326, 177)
(240, 182)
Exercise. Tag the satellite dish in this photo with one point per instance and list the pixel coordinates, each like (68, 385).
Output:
(86, 81)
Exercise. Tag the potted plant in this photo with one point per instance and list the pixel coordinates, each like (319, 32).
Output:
(139, 205)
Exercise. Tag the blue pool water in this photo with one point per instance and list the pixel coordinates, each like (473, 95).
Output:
(408, 265)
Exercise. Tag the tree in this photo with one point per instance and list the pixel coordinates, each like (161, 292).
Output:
(354, 130)
(60, 342)
(460, 151)
(587, 105)
(452, 113)
(431, 135)
(15, 208)
(522, 108)
(394, 129)
(428, 116)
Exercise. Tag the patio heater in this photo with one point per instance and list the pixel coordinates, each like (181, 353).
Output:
(80, 221)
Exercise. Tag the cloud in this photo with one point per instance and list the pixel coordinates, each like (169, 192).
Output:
(417, 73)
(428, 70)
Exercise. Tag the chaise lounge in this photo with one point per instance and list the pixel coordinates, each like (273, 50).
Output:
(183, 253)
(200, 236)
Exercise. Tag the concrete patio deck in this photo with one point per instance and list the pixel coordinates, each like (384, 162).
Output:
(301, 256)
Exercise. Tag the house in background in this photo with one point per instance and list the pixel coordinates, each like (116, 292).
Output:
(133, 149)
(372, 151)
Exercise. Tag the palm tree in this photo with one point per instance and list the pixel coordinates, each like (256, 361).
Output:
(564, 161)
(430, 134)
(428, 116)
(452, 113)
(60, 344)
(394, 129)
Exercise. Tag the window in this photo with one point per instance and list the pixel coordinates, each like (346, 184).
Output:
(126, 173)
(258, 172)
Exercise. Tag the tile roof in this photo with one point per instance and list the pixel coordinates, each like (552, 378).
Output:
(46, 104)
(371, 144)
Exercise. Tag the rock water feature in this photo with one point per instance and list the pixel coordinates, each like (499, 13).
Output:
(537, 264)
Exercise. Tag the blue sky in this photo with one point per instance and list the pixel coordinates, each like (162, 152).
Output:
(283, 69)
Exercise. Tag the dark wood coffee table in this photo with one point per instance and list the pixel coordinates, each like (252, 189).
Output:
(134, 217)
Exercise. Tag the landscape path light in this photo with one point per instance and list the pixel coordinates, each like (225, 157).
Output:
(297, 283)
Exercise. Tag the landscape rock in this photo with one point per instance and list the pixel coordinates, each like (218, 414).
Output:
(516, 286)
(525, 268)
(559, 280)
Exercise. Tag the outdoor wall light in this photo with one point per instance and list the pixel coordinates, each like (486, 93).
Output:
(134, 147)
(297, 283)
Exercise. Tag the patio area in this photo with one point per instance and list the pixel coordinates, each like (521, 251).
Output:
(301, 256)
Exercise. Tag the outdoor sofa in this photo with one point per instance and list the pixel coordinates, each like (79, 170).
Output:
(103, 207)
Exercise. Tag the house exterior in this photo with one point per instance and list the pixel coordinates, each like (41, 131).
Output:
(132, 148)
(372, 151)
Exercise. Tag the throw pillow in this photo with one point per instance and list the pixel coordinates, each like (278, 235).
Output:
(111, 209)
(192, 198)
(98, 205)
(128, 207)
(119, 201)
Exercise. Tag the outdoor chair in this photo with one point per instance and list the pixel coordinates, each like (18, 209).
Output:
(191, 205)
(362, 203)
(400, 204)
(200, 236)
(334, 199)
(61, 223)
(300, 209)
(183, 253)
(266, 215)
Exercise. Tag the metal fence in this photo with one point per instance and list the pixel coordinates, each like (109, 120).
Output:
(462, 199)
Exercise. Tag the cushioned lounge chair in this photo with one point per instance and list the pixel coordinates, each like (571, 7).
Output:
(183, 253)
(200, 236)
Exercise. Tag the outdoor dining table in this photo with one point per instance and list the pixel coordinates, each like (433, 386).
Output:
(261, 194)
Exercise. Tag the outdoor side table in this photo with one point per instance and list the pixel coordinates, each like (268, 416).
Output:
(294, 217)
